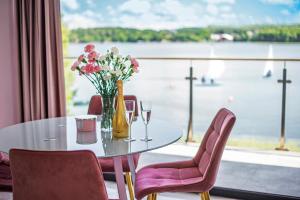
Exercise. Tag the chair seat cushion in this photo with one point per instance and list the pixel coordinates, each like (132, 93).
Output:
(4, 159)
(107, 164)
(154, 179)
(5, 174)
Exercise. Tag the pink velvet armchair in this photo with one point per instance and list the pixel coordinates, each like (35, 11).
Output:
(195, 175)
(5, 175)
(107, 164)
(60, 175)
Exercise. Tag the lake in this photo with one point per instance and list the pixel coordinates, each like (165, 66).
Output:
(255, 100)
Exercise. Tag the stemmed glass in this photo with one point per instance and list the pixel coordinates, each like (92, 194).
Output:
(130, 110)
(146, 107)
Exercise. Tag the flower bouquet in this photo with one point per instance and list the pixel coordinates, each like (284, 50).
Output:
(103, 71)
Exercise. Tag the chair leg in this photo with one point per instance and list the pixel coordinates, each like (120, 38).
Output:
(150, 197)
(154, 196)
(129, 185)
(205, 196)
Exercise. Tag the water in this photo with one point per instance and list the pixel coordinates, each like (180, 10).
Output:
(256, 101)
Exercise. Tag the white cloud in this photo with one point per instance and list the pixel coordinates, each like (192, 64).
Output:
(269, 20)
(163, 14)
(135, 6)
(91, 2)
(111, 11)
(282, 2)
(225, 8)
(166, 14)
(220, 1)
(71, 4)
(86, 19)
(212, 9)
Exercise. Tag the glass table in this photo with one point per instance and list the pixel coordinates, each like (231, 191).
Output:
(60, 134)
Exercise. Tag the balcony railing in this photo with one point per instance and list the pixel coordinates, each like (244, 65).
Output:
(199, 63)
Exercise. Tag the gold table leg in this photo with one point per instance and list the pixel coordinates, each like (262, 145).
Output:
(129, 185)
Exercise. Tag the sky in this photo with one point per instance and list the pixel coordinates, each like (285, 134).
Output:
(173, 14)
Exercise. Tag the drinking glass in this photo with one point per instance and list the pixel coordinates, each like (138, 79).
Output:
(130, 110)
(146, 107)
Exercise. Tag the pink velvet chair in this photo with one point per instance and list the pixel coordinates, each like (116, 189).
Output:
(5, 175)
(60, 175)
(195, 175)
(107, 164)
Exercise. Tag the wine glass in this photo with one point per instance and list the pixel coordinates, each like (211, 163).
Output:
(146, 107)
(130, 110)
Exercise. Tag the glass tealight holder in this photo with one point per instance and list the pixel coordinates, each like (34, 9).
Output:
(86, 123)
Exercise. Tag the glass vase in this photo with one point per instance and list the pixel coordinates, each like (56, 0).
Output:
(108, 110)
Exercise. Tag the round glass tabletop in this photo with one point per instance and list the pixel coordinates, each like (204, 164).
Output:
(57, 134)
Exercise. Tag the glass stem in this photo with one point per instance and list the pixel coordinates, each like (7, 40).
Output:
(130, 131)
(146, 126)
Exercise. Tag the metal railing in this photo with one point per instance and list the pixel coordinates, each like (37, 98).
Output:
(191, 78)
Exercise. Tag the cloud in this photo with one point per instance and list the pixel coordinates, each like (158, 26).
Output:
(220, 1)
(165, 14)
(135, 6)
(212, 9)
(269, 20)
(225, 8)
(91, 2)
(86, 19)
(172, 14)
(282, 2)
(71, 4)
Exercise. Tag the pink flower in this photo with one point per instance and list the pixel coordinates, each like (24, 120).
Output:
(92, 55)
(88, 48)
(135, 64)
(89, 68)
(80, 58)
(75, 65)
(97, 69)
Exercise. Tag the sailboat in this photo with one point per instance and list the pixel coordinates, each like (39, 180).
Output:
(269, 67)
(215, 70)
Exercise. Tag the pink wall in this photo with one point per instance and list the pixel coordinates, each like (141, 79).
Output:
(9, 85)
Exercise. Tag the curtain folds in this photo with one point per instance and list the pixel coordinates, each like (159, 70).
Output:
(40, 58)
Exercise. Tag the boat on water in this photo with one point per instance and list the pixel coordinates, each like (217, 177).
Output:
(269, 67)
(215, 71)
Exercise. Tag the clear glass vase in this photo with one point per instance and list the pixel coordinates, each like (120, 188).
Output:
(108, 110)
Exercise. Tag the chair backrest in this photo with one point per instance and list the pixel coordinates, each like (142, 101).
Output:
(95, 105)
(212, 146)
(60, 175)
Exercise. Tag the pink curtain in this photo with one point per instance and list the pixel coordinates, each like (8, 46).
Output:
(37, 25)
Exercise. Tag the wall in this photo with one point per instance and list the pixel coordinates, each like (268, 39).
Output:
(9, 82)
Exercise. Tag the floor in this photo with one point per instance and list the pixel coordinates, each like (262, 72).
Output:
(262, 172)
(112, 191)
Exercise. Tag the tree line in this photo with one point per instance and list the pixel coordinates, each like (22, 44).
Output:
(255, 33)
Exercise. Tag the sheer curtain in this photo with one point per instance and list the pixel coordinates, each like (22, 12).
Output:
(37, 29)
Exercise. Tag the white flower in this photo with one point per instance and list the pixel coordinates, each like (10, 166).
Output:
(105, 67)
(118, 72)
(115, 50)
(112, 71)
(107, 77)
(103, 57)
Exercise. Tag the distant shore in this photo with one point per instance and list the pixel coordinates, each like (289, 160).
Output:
(254, 33)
